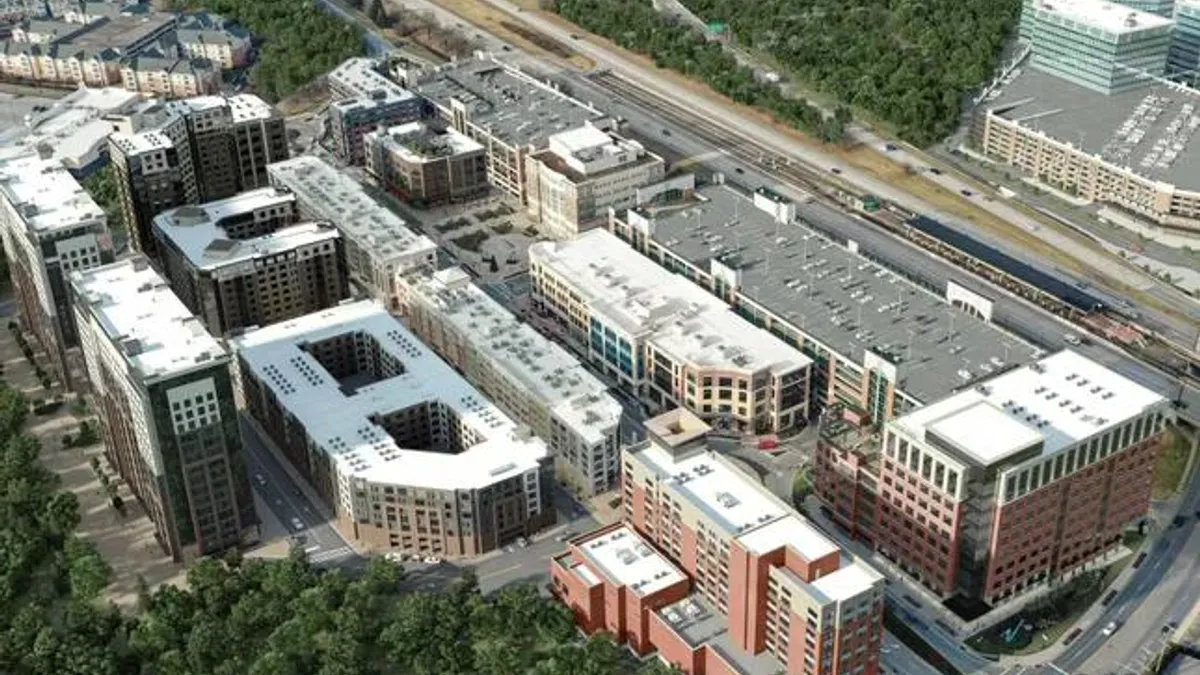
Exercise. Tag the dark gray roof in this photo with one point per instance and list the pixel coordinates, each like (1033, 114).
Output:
(1159, 118)
(843, 300)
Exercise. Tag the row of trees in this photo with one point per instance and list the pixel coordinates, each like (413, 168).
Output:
(635, 25)
(252, 617)
(297, 41)
(908, 62)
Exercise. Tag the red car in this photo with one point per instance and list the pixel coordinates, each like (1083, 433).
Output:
(767, 443)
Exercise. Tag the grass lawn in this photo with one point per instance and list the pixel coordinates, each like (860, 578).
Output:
(1172, 462)
(1052, 615)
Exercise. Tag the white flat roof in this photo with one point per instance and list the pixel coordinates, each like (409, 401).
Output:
(850, 580)
(340, 199)
(541, 366)
(360, 76)
(644, 299)
(242, 107)
(1063, 399)
(628, 560)
(1111, 17)
(792, 531)
(158, 336)
(578, 139)
(46, 195)
(196, 231)
(417, 143)
(340, 426)
(72, 127)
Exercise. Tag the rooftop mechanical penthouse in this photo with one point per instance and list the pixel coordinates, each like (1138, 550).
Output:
(410, 456)
(1018, 479)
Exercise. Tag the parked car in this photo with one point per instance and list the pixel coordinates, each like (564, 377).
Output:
(297, 524)
(432, 559)
(1110, 628)
(767, 444)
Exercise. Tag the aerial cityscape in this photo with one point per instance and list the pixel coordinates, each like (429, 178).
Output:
(600, 337)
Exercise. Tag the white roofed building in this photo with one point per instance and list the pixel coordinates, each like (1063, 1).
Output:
(410, 456)
(379, 244)
(583, 173)
(666, 339)
(533, 379)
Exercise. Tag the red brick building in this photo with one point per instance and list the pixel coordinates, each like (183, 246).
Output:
(1021, 478)
(734, 580)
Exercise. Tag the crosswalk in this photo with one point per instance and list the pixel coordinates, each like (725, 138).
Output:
(330, 555)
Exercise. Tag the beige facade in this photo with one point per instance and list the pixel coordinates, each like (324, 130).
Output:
(1060, 164)
(49, 64)
(584, 172)
(171, 78)
(426, 165)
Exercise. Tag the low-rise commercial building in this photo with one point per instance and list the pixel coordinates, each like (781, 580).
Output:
(365, 100)
(426, 164)
(50, 227)
(409, 456)
(715, 573)
(379, 246)
(1020, 479)
(493, 102)
(245, 261)
(665, 339)
(166, 406)
(530, 377)
(879, 343)
(1103, 46)
(582, 174)
(1131, 150)
(74, 130)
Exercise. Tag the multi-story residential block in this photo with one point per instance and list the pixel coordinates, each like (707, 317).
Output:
(1163, 8)
(378, 244)
(1022, 478)
(583, 173)
(665, 339)
(1183, 62)
(364, 100)
(211, 37)
(190, 151)
(528, 376)
(878, 342)
(409, 456)
(1106, 47)
(715, 573)
(244, 261)
(426, 164)
(59, 65)
(490, 102)
(1131, 150)
(170, 76)
(167, 412)
(50, 226)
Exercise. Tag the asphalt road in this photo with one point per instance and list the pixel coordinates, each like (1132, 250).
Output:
(292, 503)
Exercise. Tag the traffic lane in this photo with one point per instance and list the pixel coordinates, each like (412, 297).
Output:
(897, 659)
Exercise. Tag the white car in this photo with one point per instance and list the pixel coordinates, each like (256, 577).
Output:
(432, 559)
(297, 524)
(259, 478)
(1110, 628)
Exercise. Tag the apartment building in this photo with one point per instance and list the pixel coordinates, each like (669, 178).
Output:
(664, 339)
(365, 100)
(245, 261)
(715, 573)
(379, 245)
(50, 227)
(409, 456)
(191, 151)
(490, 101)
(166, 406)
(426, 164)
(1103, 46)
(154, 74)
(878, 342)
(582, 174)
(1129, 151)
(528, 376)
(211, 37)
(69, 54)
(1020, 479)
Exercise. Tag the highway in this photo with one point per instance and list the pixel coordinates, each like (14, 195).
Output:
(742, 162)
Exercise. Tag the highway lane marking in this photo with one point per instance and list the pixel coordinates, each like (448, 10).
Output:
(498, 572)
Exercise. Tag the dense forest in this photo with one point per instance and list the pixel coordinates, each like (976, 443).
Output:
(252, 617)
(635, 25)
(297, 42)
(907, 62)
